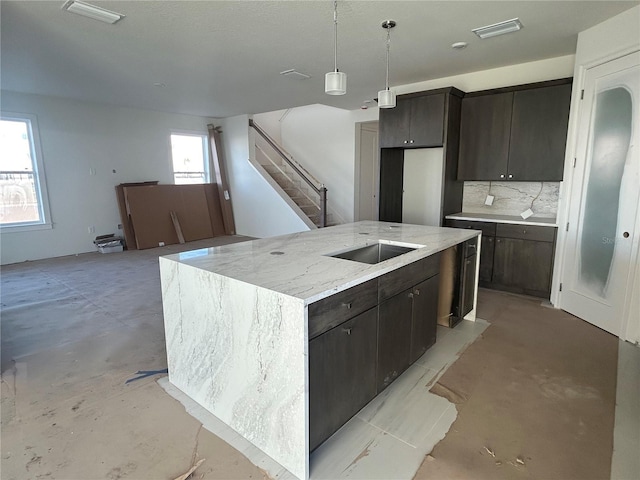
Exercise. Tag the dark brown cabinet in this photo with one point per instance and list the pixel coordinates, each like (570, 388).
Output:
(424, 317)
(514, 257)
(517, 135)
(342, 374)
(394, 340)
(416, 121)
(484, 137)
(420, 120)
(523, 259)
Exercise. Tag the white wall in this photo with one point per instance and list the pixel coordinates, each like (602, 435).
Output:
(603, 42)
(257, 209)
(75, 137)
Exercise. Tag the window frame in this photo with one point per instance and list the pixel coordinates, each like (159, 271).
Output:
(38, 174)
(205, 150)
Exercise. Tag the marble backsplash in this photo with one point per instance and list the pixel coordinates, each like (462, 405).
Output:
(512, 198)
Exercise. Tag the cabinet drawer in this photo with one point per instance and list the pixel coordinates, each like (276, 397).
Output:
(336, 309)
(406, 277)
(488, 228)
(526, 232)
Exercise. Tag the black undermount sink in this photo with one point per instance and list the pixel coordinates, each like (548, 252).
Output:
(375, 252)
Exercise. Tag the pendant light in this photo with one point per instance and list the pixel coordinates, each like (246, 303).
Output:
(386, 97)
(335, 83)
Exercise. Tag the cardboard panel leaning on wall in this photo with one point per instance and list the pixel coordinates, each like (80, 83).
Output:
(150, 207)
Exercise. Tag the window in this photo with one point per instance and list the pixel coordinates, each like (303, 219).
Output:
(23, 199)
(190, 158)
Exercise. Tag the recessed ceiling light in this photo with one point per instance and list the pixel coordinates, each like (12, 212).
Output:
(91, 11)
(293, 73)
(459, 45)
(499, 28)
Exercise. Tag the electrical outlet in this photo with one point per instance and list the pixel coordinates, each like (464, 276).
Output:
(92, 229)
(119, 226)
(489, 200)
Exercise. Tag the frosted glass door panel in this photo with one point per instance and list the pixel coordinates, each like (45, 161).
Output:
(608, 155)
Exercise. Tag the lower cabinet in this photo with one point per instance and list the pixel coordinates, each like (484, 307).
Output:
(523, 266)
(342, 374)
(514, 257)
(407, 328)
(352, 359)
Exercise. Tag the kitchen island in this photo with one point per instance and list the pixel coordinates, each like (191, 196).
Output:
(237, 320)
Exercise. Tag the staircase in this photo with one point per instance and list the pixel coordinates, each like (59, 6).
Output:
(298, 185)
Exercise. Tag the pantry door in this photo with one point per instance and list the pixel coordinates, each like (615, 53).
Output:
(602, 239)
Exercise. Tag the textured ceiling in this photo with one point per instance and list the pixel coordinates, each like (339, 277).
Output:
(222, 58)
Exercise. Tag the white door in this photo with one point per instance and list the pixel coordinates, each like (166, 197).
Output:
(602, 235)
(369, 172)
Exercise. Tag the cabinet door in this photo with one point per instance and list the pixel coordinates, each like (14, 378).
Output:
(342, 374)
(424, 316)
(486, 260)
(394, 124)
(484, 137)
(427, 121)
(394, 337)
(523, 266)
(391, 177)
(539, 133)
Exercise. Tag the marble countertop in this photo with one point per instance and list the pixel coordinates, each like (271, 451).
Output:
(297, 264)
(514, 219)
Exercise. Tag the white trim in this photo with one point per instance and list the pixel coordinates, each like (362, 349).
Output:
(40, 176)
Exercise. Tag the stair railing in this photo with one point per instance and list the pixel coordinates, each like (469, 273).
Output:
(314, 184)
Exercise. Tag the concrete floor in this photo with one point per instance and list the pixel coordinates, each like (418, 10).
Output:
(74, 330)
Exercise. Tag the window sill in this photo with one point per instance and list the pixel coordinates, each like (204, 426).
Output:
(25, 228)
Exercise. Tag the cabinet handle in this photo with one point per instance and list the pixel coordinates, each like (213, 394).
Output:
(498, 240)
(348, 305)
(347, 331)
(524, 230)
(406, 141)
(625, 234)
(489, 239)
(502, 175)
(417, 291)
(410, 295)
(510, 176)
(410, 141)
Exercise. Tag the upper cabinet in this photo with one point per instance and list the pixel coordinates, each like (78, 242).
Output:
(517, 135)
(415, 122)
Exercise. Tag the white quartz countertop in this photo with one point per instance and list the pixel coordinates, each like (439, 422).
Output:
(297, 264)
(514, 219)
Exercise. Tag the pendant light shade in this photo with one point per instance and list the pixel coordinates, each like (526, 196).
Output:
(386, 97)
(335, 83)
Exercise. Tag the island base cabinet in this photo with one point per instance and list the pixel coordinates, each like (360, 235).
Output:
(342, 374)
(424, 317)
(406, 329)
(394, 337)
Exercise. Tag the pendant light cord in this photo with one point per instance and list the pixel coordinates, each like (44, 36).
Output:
(335, 33)
(388, 47)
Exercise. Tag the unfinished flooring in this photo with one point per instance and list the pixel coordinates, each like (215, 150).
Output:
(539, 385)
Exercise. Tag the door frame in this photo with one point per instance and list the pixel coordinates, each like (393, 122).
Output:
(629, 330)
(356, 193)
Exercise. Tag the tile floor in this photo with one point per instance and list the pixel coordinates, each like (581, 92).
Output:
(389, 437)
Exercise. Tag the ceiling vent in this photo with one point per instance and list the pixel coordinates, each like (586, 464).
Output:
(500, 28)
(293, 73)
(91, 11)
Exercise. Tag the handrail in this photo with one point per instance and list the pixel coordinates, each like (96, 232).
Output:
(285, 156)
(321, 190)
